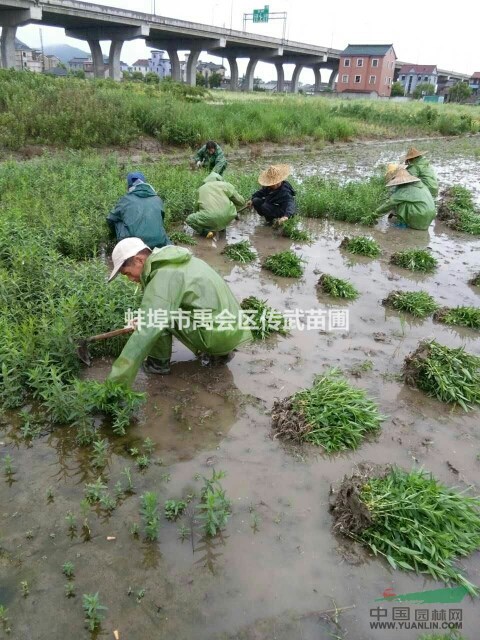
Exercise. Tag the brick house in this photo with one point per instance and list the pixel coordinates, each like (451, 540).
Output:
(367, 69)
(412, 74)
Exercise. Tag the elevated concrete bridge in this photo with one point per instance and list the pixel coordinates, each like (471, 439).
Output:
(94, 23)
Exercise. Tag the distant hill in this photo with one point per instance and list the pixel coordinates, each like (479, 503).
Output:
(65, 52)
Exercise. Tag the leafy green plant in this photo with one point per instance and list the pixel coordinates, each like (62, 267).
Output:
(419, 303)
(337, 288)
(127, 472)
(99, 455)
(148, 446)
(457, 209)
(70, 590)
(459, 316)
(71, 521)
(24, 586)
(149, 513)
(143, 461)
(68, 569)
(8, 467)
(174, 508)
(361, 245)
(451, 375)
(331, 414)
(180, 237)
(94, 491)
(214, 508)
(286, 264)
(184, 532)
(240, 252)
(264, 320)
(290, 229)
(415, 260)
(94, 611)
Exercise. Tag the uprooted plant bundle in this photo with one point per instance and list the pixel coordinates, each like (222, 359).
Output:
(457, 210)
(362, 246)
(265, 320)
(459, 316)
(337, 288)
(419, 303)
(409, 518)
(286, 264)
(292, 230)
(240, 252)
(180, 237)
(415, 260)
(451, 375)
(331, 414)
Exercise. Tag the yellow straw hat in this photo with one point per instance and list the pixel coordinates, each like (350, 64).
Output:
(414, 153)
(392, 168)
(402, 177)
(274, 174)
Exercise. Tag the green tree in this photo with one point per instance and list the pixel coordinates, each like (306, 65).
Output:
(151, 78)
(201, 82)
(79, 73)
(215, 80)
(424, 89)
(460, 92)
(397, 89)
(137, 75)
(126, 75)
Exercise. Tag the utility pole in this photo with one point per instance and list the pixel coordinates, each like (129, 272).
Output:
(43, 52)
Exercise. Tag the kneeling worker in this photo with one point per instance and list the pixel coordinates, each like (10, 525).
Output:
(419, 167)
(275, 201)
(211, 157)
(175, 284)
(215, 206)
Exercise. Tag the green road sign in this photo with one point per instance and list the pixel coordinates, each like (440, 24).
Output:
(261, 15)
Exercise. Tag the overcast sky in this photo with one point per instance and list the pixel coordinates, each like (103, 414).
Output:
(421, 32)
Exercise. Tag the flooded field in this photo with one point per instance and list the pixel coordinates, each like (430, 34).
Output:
(277, 572)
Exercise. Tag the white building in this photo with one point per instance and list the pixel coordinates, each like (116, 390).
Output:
(140, 65)
(412, 74)
(159, 64)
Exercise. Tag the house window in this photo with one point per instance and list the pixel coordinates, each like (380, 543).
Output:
(346, 62)
(375, 62)
(358, 79)
(425, 79)
(372, 80)
(345, 79)
(402, 78)
(359, 62)
(419, 78)
(389, 81)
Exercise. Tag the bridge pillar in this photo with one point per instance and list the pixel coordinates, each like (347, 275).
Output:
(175, 64)
(114, 70)
(233, 74)
(333, 75)
(280, 77)
(97, 57)
(295, 76)
(192, 60)
(250, 74)
(8, 47)
(10, 19)
(318, 79)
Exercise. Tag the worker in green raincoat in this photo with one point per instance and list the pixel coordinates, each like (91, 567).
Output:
(419, 167)
(411, 201)
(211, 157)
(182, 297)
(215, 206)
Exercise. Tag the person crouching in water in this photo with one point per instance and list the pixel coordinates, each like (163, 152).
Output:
(419, 167)
(215, 207)
(275, 201)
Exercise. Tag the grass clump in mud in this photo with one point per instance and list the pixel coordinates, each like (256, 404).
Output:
(409, 518)
(332, 414)
(451, 375)
(415, 260)
(419, 303)
(240, 252)
(361, 245)
(180, 237)
(459, 316)
(337, 288)
(93, 610)
(457, 210)
(290, 229)
(286, 264)
(263, 320)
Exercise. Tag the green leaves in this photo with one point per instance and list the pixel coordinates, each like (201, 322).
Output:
(457, 209)
(337, 288)
(286, 264)
(459, 316)
(419, 303)
(415, 260)
(264, 319)
(240, 252)
(361, 245)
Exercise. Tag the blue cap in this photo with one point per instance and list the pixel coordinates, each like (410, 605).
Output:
(132, 177)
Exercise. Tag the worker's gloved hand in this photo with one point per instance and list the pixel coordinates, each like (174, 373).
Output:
(248, 203)
(199, 164)
(280, 221)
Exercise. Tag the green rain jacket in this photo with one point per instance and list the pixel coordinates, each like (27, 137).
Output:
(215, 205)
(139, 214)
(215, 162)
(421, 168)
(174, 280)
(413, 204)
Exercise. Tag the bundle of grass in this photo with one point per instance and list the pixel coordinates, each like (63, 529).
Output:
(240, 252)
(180, 237)
(459, 316)
(411, 519)
(415, 260)
(361, 245)
(337, 288)
(451, 375)
(332, 414)
(265, 320)
(475, 281)
(285, 264)
(419, 303)
(290, 229)
(457, 209)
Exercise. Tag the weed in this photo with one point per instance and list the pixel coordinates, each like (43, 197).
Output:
(93, 610)
(149, 513)
(459, 316)
(70, 590)
(8, 467)
(362, 367)
(68, 569)
(118, 489)
(361, 245)
(174, 508)
(240, 252)
(286, 264)
(140, 595)
(29, 534)
(331, 414)
(127, 472)
(99, 455)
(184, 533)
(255, 523)
(148, 446)
(3, 614)
(337, 288)
(214, 507)
(165, 477)
(30, 428)
(50, 495)
(25, 588)
(107, 503)
(143, 461)
(180, 237)
(263, 320)
(134, 529)
(415, 260)
(419, 303)
(290, 229)
(451, 375)
(94, 491)
(458, 210)
(71, 521)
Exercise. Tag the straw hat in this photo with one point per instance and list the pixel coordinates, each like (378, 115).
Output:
(414, 153)
(402, 177)
(274, 174)
(392, 168)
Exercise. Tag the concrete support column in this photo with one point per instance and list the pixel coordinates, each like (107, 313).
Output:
(318, 79)
(331, 80)
(8, 47)
(280, 77)
(295, 76)
(250, 74)
(97, 57)
(175, 64)
(233, 74)
(114, 60)
(193, 56)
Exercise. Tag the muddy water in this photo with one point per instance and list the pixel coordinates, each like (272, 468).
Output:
(277, 567)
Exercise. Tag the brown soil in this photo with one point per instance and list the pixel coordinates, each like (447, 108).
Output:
(414, 363)
(287, 423)
(388, 301)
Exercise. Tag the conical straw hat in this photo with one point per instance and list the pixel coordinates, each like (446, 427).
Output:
(274, 174)
(414, 153)
(402, 177)
(392, 168)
